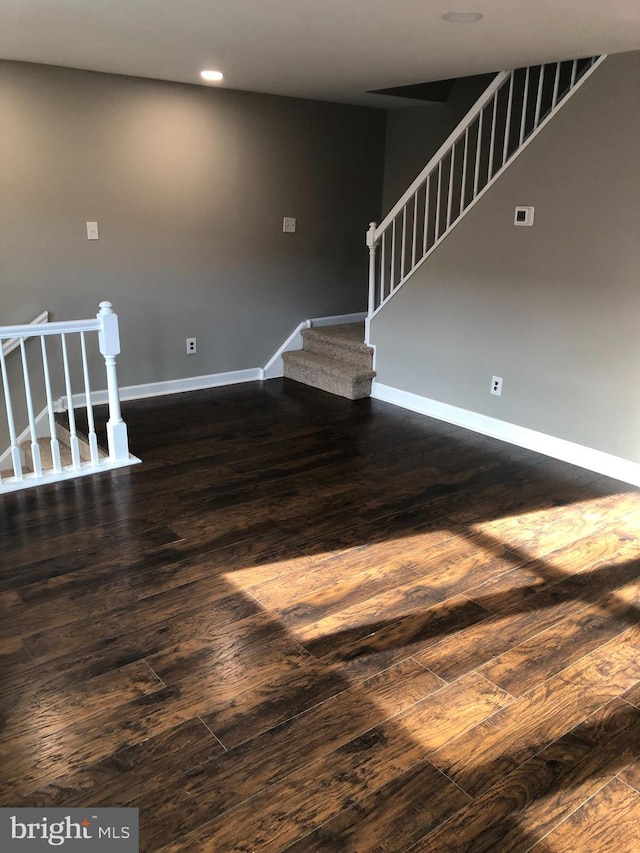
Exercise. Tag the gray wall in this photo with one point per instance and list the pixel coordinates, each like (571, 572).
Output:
(415, 133)
(189, 186)
(554, 308)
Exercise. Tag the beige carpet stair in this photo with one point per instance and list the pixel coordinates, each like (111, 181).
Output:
(334, 359)
(46, 458)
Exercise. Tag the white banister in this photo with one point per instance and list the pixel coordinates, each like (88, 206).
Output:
(50, 329)
(478, 151)
(372, 265)
(443, 150)
(35, 433)
(14, 343)
(109, 342)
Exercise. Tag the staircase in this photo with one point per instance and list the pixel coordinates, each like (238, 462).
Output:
(515, 107)
(334, 359)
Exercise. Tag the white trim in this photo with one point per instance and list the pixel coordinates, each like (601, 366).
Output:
(30, 481)
(170, 386)
(274, 368)
(558, 448)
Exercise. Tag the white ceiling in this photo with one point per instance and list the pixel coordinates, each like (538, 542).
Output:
(329, 49)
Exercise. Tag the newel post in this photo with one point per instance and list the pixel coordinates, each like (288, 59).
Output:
(371, 243)
(109, 342)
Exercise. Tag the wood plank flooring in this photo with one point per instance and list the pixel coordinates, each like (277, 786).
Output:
(310, 624)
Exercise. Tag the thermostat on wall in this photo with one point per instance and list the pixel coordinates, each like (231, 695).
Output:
(524, 216)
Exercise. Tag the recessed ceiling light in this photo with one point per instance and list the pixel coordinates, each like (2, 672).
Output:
(212, 76)
(463, 17)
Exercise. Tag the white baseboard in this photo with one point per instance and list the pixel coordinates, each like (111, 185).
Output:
(274, 367)
(549, 445)
(170, 386)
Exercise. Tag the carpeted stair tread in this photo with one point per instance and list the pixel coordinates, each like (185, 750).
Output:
(46, 457)
(328, 374)
(324, 364)
(348, 336)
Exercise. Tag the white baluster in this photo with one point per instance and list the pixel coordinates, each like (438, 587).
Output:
(476, 176)
(507, 125)
(35, 447)
(525, 99)
(55, 444)
(93, 441)
(465, 158)
(16, 459)
(404, 241)
(109, 340)
(414, 243)
(574, 74)
(492, 142)
(556, 86)
(539, 98)
(73, 440)
(452, 166)
(383, 252)
(438, 197)
(427, 214)
(393, 255)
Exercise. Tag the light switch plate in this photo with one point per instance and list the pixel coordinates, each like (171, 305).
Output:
(92, 231)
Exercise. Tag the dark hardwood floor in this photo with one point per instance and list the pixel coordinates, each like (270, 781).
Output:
(310, 624)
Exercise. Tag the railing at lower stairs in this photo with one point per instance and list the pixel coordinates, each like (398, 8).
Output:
(504, 120)
(61, 358)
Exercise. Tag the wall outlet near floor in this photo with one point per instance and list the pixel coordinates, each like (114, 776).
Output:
(289, 225)
(192, 348)
(496, 385)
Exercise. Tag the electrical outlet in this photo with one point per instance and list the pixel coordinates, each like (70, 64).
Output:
(289, 225)
(496, 385)
(191, 346)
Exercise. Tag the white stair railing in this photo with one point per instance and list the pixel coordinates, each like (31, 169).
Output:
(65, 336)
(509, 114)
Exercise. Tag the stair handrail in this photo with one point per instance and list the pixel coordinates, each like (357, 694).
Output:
(14, 343)
(500, 78)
